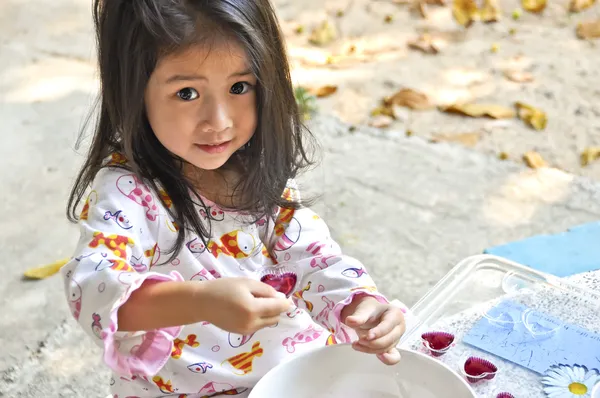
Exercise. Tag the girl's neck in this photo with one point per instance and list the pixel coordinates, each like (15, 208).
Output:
(218, 186)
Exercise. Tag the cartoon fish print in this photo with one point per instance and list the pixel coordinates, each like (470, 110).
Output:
(354, 272)
(97, 326)
(131, 186)
(238, 340)
(215, 388)
(200, 367)
(138, 264)
(235, 391)
(117, 159)
(166, 387)
(287, 229)
(165, 198)
(119, 218)
(241, 364)
(212, 213)
(115, 243)
(196, 246)
(331, 340)
(153, 254)
(91, 200)
(75, 299)
(306, 336)
(237, 244)
(323, 262)
(370, 289)
(299, 296)
(293, 313)
(178, 345)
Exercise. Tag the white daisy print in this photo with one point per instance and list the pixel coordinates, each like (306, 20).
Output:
(564, 381)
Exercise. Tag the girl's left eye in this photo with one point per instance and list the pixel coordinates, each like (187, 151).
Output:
(240, 88)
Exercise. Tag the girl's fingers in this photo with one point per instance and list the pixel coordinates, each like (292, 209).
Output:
(391, 357)
(384, 343)
(389, 320)
(272, 321)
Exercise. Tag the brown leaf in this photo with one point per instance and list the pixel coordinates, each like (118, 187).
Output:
(324, 91)
(534, 117)
(490, 12)
(580, 5)
(381, 121)
(535, 6)
(467, 139)
(323, 34)
(481, 110)
(409, 98)
(534, 160)
(424, 43)
(518, 76)
(464, 11)
(589, 30)
(589, 155)
(45, 271)
(503, 156)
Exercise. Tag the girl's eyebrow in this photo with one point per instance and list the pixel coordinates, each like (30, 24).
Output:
(184, 78)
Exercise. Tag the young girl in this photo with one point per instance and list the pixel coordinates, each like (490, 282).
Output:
(193, 226)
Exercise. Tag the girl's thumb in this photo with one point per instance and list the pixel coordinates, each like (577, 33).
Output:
(359, 317)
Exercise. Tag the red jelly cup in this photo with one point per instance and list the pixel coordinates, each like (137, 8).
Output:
(478, 369)
(438, 343)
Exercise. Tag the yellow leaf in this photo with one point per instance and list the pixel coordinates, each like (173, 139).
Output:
(481, 110)
(534, 160)
(45, 271)
(518, 76)
(324, 91)
(383, 110)
(495, 48)
(535, 6)
(589, 155)
(516, 14)
(410, 99)
(589, 30)
(424, 43)
(464, 11)
(323, 34)
(490, 12)
(503, 156)
(580, 5)
(534, 117)
(467, 139)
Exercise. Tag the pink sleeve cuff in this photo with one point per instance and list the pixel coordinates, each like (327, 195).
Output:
(344, 334)
(147, 358)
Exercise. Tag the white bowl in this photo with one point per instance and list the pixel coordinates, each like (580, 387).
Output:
(596, 391)
(338, 371)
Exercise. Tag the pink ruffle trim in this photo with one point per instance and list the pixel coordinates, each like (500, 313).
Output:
(344, 333)
(155, 349)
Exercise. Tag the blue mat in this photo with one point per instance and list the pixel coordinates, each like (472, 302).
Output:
(572, 252)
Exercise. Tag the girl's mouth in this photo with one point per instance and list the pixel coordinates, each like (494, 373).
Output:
(214, 148)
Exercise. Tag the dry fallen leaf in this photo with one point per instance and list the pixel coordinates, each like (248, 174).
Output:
(424, 43)
(580, 5)
(381, 121)
(464, 11)
(410, 99)
(45, 271)
(535, 6)
(388, 18)
(534, 160)
(467, 139)
(503, 156)
(518, 76)
(323, 34)
(383, 110)
(534, 117)
(589, 30)
(481, 110)
(324, 91)
(490, 12)
(589, 155)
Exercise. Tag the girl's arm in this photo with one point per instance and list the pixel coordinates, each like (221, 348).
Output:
(330, 280)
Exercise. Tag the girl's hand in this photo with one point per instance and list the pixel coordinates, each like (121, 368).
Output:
(379, 327)
(239, 305)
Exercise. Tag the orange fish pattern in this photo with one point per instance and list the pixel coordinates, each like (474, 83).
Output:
(241, 364)
(236, 244)
(178, 345)
(117, 244)
(201, 359)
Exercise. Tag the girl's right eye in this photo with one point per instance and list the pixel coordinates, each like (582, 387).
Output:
(188, 94)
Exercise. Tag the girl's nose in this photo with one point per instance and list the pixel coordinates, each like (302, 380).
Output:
(215, 115)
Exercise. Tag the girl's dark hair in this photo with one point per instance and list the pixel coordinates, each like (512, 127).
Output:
(131, 36)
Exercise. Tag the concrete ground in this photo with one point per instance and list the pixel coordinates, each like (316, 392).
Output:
(409, 209)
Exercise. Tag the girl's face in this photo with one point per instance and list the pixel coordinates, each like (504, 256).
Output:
(201, 103)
